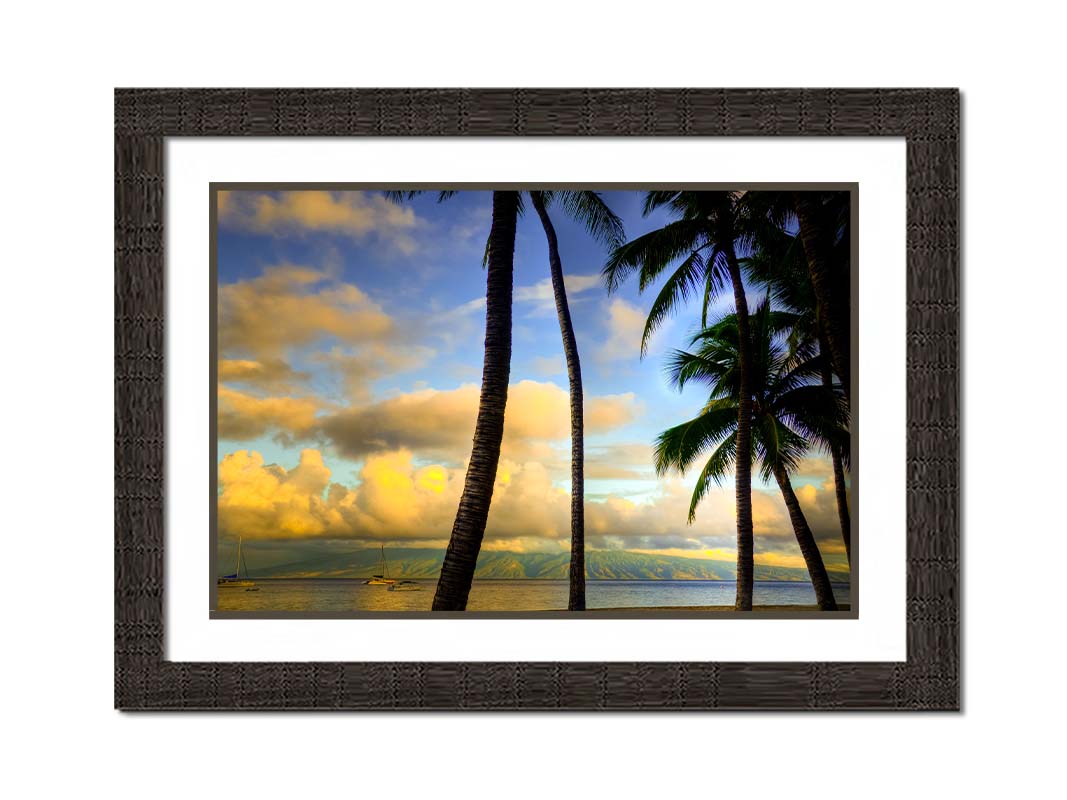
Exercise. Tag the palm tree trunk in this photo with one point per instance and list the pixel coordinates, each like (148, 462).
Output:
(842, 503)
(824, 592)
(576, 601)
(743, 468)
(839, 470)
(461, 558)
(834, 316)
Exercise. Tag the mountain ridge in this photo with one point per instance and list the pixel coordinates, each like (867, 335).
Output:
(425, 563)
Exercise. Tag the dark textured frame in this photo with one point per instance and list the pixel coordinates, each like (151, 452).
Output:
(929, 121)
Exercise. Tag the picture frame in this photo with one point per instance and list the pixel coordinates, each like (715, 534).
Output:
(928, 120)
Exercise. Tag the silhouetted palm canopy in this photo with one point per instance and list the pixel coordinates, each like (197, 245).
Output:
(789, 414)
(792, 411)
(778, 262)
(702, 240)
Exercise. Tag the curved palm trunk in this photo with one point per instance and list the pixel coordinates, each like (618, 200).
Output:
(839, 470)
(576, 601)
(461, 558)
(834, 316)
(824, 592)
(743, 467)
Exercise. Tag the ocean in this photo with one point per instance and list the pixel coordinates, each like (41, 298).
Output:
(345, 595)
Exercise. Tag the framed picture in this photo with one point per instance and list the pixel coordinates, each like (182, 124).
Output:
(537, 399)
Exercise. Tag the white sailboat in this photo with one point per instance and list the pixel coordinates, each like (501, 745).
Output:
(382, 578)
(235, 581)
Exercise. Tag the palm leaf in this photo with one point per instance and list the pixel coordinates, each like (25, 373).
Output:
(677, 447)
(676, 290)
(589, 208)
(653, 252)
(715, 471)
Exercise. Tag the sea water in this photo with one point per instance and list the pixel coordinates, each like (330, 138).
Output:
(342, 595)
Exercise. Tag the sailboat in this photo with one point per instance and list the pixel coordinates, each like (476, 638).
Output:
(235, 581)
(382, 578)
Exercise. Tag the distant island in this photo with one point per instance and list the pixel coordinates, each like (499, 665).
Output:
(425, 563)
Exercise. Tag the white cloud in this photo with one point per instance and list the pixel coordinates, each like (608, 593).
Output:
(624, 326)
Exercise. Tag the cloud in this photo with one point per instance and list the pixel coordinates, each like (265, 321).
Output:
(610, 411)
(440, 424)
(333, 329)
(395, 497)
(355, 214)
(242, 417)
(272, 374)
(625, 324)
(266, 501)
(544, 301)
(634, 454)
(357, 369)
(432, 423)
(291, 306)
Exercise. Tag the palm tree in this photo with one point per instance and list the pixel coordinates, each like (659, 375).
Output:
(587, 207)
(778, 262)
(791, 412)
(823, 221)
(461, 557)
(703, 235)
(468, 529)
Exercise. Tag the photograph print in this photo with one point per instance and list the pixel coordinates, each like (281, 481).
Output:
(533, 400)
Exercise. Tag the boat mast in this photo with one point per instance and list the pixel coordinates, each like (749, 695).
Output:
(237, 569)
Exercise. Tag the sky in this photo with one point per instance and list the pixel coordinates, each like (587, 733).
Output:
(350, 334)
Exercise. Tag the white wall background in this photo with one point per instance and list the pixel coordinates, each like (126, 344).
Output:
(59, 67)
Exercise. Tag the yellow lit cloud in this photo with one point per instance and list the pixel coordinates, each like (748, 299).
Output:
(441, 423)
(243, 416)
(266, 501)
(396, 498)
(356, 214)
(290, 306)
(272, 374)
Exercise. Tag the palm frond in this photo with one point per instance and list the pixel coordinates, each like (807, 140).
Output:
(818, 413)
(657, 199)
(776, 445)
(715, 471)
(676, 290)
(589, 208)
(400, 197)
(677, 447)
(653, 252)
(682, 366)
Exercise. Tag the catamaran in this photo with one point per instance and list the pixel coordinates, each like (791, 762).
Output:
(382, 578)
(235, 581)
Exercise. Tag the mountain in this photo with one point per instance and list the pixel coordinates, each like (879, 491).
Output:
(418, 563)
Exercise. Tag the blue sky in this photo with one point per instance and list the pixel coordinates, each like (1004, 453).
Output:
(350, 346)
